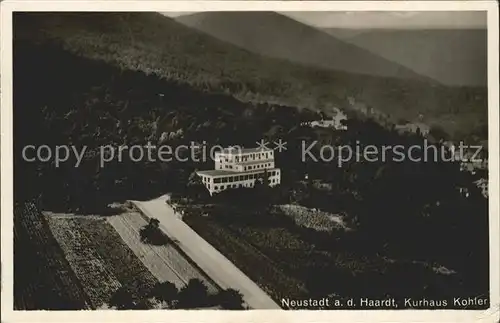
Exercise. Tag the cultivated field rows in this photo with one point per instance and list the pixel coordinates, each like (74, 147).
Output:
(165, 262)
(100, 259)
(98, 282)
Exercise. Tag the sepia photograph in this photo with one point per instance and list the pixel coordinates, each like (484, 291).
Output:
(223, 159)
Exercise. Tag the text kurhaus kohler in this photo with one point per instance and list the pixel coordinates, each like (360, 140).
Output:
(326, 302)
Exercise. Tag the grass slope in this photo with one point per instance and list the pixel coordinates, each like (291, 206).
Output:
(292, 267)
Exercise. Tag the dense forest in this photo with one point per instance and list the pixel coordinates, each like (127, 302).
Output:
(62, 99)
(155, 44)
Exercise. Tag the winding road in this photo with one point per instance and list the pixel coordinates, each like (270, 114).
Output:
(212, 262)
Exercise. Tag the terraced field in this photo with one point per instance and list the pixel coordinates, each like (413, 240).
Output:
(99, 257)
(43, 278)
(166, 263)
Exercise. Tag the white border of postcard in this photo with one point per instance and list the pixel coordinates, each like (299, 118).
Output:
(9, 315)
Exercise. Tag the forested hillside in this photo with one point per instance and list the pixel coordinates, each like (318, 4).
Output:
(63, 99)
(155, 44)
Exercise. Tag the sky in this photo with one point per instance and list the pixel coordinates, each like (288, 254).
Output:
(391, 19)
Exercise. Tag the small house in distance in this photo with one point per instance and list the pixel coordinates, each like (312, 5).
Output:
(413, 128)
(240, 167)
(336, 122)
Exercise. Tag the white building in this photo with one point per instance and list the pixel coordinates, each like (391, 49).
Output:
(236, 167)
(335, 122)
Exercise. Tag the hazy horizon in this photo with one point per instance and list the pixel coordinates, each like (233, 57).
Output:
(384, 20)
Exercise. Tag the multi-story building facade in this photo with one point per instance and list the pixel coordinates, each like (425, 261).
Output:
(240, 168)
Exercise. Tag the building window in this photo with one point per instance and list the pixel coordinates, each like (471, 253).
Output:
(217, 180)
(215, 187)
(224, 180)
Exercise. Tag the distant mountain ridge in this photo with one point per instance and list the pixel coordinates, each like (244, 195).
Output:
(275, 35)
(154, 44)
(451, 56)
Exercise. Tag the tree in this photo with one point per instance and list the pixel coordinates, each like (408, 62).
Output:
(193, 295)
(125, 298)
(143, 304)
(165, 292)
(154, 223)
(195, 187)
(122, 299)
(151, 233)
(230, 299)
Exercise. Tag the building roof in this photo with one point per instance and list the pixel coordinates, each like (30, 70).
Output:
(240, 150)
(254, 162)
(217, 172)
